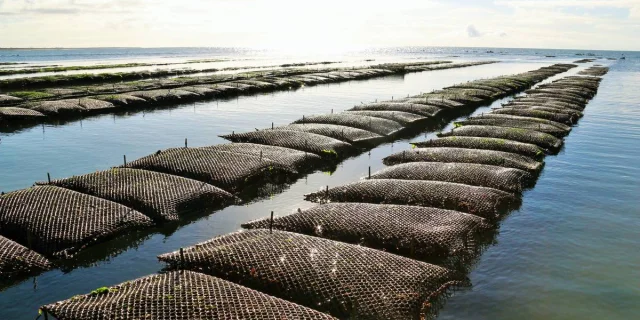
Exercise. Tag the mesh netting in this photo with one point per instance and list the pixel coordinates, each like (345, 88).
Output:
(16, 260)
(380, 126)
(594, 71)
(342, 133)
(8, 113)
(179, 295)
(345, 280)
(478, 86)
(444, 101)
(557, 117)
(6, 99)
(59, 222)
(288, 157)
(95, 105)
(549, 108)
(160, 196)
(543, 140)
(420, 109)
(401, 117)
(304, 141)
(507, 117)
(58, 107)
(462, 155)
(481, 201)
(532, 102)
(516, 123)
(408, 230)
(164, 95)
(122, 100)
(579, 96)
(204, 91)
(563, 98)
(506, 179)
(227, 170)
(495, 144)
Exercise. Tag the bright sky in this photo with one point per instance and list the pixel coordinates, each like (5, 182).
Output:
(321, 25)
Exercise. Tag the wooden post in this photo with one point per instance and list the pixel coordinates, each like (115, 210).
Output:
(125, 159)
(185, 142)
(369, 172)
(403, 155)
(271, 223)
(271, 125)
(48, 177)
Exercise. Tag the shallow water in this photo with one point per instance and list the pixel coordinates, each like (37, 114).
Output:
(567, 253)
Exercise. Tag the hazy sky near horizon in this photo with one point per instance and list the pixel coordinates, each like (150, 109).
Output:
(325, 26)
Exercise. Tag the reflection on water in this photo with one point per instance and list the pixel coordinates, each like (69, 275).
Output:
(568, 252)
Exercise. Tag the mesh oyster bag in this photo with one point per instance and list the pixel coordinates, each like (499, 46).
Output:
(16, 260)
(481, 175)
(462, 155)
(516, 123)
(342, 133)
(506, 117)
(162, 197)
(484, 202)
(495, 144)
(380, 126)
(557, 117)
(419, 109)
(179, 295)
(344, 280)
(323, 146)
(404, 118)
(15, 113)
(285, 156)
(407, 230)
(542, 140)
(226, 170)
(59, 222)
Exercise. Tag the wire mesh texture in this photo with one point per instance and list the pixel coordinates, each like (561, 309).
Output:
(58, 222)
(292, 158)
(323, 146)
(14, 113)
(515, 123)
(160, 196)
(229, 171)
(179, 295)
(481, 175)
(343, 133)
(542, 114)
(574, 114)
(495, 144)
(541, 139)
(344, 280)
(406, 119)
(506, 117)
(16, 260)
(380, 126)
(484, 202)
(418, 232)
(415, 108)
(463, 155)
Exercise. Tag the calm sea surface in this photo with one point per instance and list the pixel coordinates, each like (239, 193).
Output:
(571, 252)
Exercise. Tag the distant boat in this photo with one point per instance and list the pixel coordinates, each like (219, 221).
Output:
(489, 51)
(550, 56)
